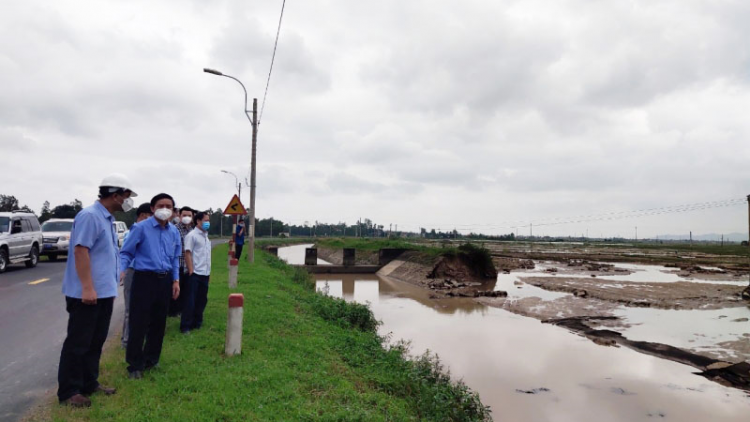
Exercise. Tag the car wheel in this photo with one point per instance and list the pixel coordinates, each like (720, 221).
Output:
(3, 260)
(33, 257)
(52, 257)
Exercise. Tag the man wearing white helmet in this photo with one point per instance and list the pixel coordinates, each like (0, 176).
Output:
(90, 288)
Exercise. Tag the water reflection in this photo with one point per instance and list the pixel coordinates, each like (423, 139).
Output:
(496, 353)
(372, 288)
(295, 255)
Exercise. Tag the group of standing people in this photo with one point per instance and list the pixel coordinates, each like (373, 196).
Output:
(164, 266)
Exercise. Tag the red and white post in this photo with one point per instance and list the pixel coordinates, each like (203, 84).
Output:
(233, 266)
(233, 345)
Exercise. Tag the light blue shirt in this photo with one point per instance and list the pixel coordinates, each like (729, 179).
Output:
(153, 247)
(93, 229)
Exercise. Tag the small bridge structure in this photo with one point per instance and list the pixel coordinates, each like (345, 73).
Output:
(349, 265)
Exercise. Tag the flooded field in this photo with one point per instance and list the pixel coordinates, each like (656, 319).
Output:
(529, 371)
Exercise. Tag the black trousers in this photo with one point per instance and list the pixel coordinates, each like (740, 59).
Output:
(88, 326)
(176, 305)
(149, 303)
(195, 302)
(238, 251)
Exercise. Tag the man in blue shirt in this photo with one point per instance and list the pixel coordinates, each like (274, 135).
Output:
(239, 238)
(143, 212)
(155, 246)
(90, 288)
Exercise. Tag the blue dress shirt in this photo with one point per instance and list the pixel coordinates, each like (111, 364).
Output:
(93, 229)
(153, 247)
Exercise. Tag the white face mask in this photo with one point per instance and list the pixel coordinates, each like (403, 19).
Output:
(163, 214)
(186, 220)
(127, 205)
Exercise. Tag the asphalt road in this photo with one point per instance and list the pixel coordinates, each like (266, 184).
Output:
(33, 324)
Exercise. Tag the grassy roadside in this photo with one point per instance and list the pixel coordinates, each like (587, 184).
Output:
(305, 357)
(371, 244)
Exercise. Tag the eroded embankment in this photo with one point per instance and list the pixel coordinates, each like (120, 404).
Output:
(588, 303)
(461, 274)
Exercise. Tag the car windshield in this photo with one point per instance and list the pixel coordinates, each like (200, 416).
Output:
(4, 224)
(57, 226)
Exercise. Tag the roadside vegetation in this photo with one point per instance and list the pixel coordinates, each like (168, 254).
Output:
(369, 244)
(305, 357)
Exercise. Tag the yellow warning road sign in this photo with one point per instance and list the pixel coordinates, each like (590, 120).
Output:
(235, 207)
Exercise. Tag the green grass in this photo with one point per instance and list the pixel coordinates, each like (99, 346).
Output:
(369, 244)
(304, 357)
(261, 242)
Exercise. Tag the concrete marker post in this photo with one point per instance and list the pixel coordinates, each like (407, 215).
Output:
(233, 273)
(233, 344)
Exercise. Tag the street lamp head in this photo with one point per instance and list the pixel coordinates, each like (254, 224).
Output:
(212, 71)
(224, 171)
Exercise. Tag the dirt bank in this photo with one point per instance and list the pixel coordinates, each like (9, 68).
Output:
(562, 252)
(727, 373)
(446, 276)
(677, 295)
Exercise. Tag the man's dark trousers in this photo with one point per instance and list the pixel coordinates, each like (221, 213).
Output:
(176, 305)
(195, 303)
(79, 360)
(238, 251)
(149, 304)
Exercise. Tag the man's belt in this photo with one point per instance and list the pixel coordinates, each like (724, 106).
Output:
(158, 274)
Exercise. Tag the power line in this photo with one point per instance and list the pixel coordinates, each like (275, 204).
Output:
(610, 216)
(615, 215)
(273, 57)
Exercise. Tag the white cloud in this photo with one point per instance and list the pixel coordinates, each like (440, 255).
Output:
(426, 112)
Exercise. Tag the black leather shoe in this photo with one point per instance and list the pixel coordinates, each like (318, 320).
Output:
(77, 401)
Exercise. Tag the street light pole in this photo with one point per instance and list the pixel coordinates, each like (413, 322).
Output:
(254, 122)
(236, 182)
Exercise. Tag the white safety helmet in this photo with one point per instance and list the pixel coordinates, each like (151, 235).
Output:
(117, 181)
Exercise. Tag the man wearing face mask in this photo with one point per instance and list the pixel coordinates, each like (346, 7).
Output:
(143, 212)
(184, 226)
(155, 246)
(90, 288)
(198, 261)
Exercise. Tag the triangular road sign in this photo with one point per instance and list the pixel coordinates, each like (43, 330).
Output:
(235, 207)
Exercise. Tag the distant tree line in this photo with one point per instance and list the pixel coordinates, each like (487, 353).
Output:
(264, 227)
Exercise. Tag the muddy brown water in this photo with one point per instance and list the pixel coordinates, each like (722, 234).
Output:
(502, 356)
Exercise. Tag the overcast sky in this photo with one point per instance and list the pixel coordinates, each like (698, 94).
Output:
(478, 115)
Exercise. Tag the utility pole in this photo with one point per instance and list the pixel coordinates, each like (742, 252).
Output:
(271, 226)
(636, 234)
(531, 230)
(691, 238)
(254, 121)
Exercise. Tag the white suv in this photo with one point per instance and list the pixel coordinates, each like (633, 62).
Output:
(121, 229)
(20, 239)
(56, 237)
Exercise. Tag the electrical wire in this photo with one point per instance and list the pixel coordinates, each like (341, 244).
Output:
(273, 57)
(554, 221)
